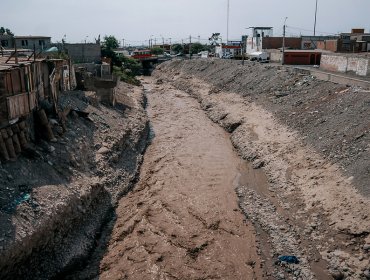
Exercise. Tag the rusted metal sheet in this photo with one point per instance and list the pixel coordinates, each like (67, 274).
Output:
(18, 105)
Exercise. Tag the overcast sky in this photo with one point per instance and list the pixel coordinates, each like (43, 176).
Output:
(136, 21)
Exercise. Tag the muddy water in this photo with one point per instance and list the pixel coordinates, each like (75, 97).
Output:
(182, 220)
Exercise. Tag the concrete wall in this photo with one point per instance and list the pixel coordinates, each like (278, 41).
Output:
(275, 56)
(82, 53)
(329, 45)
(344, 64)
(42, 43)
(277, 42)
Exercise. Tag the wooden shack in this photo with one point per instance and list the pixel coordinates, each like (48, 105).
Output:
(24, 84)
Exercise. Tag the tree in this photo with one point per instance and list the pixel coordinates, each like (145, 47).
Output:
(177, 48)
(7, 30)
(110, 42)
(124, 67)
(197, 47)
(157, 51)
(108, 45)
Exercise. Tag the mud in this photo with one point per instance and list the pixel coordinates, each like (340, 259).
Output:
(246, 163)
(312, 207)
(182, 220)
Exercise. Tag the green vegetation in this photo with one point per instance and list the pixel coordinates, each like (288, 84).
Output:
(157, 51)
(109, 44)
(196, 48)
(7, 30)
(124, 67)
(178, 48)
(125, 75)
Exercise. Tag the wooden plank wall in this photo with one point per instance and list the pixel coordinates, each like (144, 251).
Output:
(18, 105)
(22, 87)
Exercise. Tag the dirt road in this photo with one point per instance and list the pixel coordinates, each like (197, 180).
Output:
(182, 220)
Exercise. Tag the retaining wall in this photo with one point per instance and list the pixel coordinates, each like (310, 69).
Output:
(344, 64)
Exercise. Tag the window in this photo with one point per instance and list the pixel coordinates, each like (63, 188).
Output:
(5, 43)
(24, 43)
(41, 43)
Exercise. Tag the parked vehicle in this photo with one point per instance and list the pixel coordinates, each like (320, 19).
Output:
(228, 56)
(142, 54)
(166, 54)
(259, 56)
(204, 54)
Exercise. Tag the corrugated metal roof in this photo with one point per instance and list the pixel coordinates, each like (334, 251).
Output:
(32, 37)
(11, 63)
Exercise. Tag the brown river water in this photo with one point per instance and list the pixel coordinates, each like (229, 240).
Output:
(182, 220)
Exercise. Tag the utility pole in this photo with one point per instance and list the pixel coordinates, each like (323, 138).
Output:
(123, 43)
(284, 27)
(314, 27)
(242, 52)
(190, 47)
(227, 25)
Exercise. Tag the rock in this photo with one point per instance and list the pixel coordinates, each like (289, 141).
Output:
(59, 130)
(337, 275)
(258, 164)
(367, 274)
(103, 151)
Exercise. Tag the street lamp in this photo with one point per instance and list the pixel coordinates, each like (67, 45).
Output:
(283, 58)
(314, 27)
(227, 24)
(151, 41)
(162, 41)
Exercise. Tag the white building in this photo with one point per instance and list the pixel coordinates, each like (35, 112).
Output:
(254, 42)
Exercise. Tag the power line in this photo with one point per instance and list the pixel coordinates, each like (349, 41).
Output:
(308, 30)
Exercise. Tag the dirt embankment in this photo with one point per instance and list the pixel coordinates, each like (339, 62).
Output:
(55, 199)
(312, 140)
